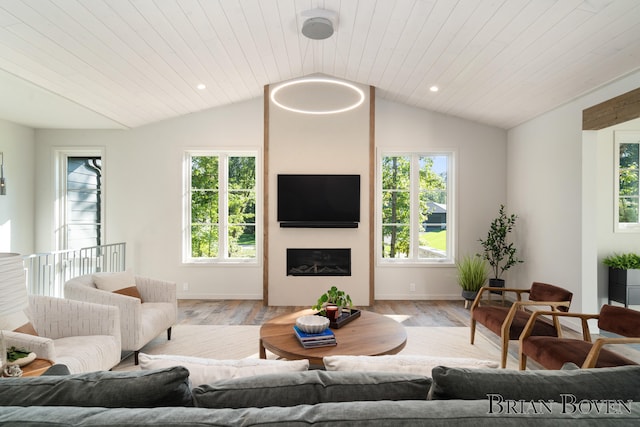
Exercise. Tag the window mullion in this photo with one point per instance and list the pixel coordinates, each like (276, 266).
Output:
(223, 194)
(414, 172)
(187, 208)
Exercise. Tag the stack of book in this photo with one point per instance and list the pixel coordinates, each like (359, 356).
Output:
(322, 339)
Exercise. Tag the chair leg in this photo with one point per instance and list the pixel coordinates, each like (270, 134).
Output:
(169, 334)
(135, 357)
(505, 350)
(523, 361)
(473, 330)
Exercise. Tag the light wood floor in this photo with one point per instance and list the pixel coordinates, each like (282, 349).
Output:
(253, 312)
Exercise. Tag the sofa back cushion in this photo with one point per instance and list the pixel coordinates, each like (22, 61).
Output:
(311, 387)
(131, 389)
(620, 383)
(409, 364)
(205, 371)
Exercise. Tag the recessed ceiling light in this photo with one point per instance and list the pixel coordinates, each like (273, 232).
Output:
(201, 86)
(434, 88)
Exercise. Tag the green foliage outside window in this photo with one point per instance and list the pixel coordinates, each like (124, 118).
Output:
(629, 180)
(398, 194)
(242, 207)
(208, 200)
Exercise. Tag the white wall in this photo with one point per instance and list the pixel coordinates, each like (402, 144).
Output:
(17, 206)
(143, 190)
(143, 187)
(319, 144)
(480, 188)
(548, 186)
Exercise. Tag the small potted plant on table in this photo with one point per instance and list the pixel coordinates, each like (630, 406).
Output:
(333, 301)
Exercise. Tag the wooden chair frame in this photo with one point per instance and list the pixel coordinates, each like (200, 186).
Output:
(519, 304)
(594, 353)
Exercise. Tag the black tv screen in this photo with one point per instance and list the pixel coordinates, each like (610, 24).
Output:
(318, 200)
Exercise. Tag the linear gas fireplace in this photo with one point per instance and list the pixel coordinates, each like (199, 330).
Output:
(318, 262)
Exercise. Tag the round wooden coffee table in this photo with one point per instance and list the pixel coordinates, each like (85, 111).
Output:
(370, 334)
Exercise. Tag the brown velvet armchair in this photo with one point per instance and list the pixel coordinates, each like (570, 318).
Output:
(509, 322)
(553, 352)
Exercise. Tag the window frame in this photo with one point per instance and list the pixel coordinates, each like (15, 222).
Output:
(222, 257)
(622, 137)
(61, 156)
(414, 190)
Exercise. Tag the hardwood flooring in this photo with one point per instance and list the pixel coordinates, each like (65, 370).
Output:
(253, 312)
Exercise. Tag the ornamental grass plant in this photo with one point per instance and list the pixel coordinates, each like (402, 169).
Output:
(472, 272)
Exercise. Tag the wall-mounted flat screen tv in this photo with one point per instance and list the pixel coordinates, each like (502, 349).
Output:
(331, 201)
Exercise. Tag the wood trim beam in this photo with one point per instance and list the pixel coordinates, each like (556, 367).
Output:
(265, 201)
(612, 112)
(372, 192)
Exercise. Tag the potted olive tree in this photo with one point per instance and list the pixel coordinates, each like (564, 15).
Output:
(499, 253)
(624, 278)
(472, 275)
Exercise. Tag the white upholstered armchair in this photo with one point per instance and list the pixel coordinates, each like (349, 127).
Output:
(85, 337)
(141, 319)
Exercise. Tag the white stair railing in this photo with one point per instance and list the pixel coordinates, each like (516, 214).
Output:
(46, 273)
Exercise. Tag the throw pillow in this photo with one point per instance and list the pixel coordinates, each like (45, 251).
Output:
(618, 383)
(421, 365)
(205, 371)
(110, 389)
(310, 388)
(123, 283)
(27, 328)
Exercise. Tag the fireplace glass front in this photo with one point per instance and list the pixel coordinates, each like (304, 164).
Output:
(318, 262)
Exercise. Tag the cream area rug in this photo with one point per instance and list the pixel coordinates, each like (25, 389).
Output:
(240, 342)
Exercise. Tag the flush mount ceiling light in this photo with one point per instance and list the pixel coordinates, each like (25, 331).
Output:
(318, 24)
(317, 28)
(317, 95)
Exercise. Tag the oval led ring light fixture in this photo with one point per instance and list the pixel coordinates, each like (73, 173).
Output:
(356, 96)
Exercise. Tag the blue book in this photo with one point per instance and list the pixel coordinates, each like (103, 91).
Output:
(326, 335)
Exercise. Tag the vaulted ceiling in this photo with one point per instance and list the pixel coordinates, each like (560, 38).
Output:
(127, 63)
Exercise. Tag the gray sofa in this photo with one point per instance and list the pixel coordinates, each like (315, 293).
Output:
(454, 396)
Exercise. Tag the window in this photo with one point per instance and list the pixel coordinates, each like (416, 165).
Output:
(627, 181)
(220, 208)
(416, 209)
(80, 210)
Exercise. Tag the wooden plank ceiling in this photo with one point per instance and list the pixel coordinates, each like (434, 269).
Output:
(499, 62)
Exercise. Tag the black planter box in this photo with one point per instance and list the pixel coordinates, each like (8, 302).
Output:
(624, 286)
